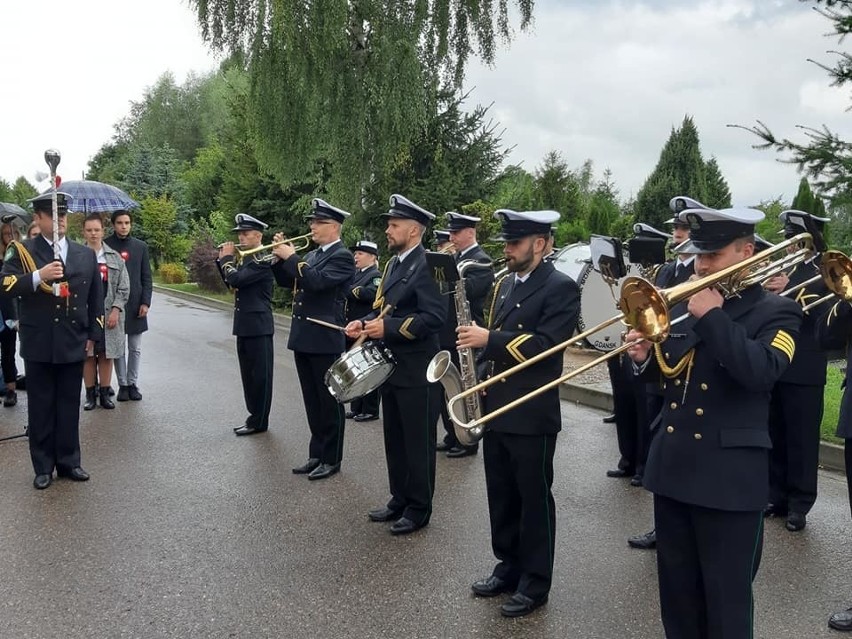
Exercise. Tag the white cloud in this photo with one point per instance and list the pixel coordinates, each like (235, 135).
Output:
(605, 80)
(70, 70)
(609, 80)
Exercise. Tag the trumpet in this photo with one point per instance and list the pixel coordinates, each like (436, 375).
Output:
(300, 242)
(645, 308)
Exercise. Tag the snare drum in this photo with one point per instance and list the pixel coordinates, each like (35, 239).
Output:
(359, 371)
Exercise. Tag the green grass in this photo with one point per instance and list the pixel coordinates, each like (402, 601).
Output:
(195, 290)
(833, 394)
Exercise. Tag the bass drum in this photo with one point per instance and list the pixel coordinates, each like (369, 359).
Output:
(596, 300)
(597, 305)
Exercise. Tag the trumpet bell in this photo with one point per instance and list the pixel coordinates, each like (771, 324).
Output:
(836, 271)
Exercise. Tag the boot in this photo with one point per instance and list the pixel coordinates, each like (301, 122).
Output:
(123, 393)
(106, 402)
(134, 393)
(90, 398)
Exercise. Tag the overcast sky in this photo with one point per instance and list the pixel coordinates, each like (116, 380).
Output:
(597, 79)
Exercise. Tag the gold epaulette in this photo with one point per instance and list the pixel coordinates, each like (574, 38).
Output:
(28, 264)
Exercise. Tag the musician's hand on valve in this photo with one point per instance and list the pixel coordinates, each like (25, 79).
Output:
(704, 301)
(353, 329)
(51, 272)
(283, 251)
(777, 283)
(472, 336)
(640, 350)
(226, 249)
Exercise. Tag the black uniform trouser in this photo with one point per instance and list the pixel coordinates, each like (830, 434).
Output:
(518, 478)
(706, 562)
(847, 451)
(53, 410)
(367, 405)
(628, 419)
(255, 355)
(653, 408)
(325, 415)
(8, 345)
(795, 416)
(410, 421)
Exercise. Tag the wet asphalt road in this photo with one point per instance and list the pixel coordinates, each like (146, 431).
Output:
(187, 531)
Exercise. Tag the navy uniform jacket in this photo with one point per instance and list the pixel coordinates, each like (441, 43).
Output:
(419, 310)
(54, 329)
(526, 321)
(477, 285)
(809, 364)
(711, 447)
(135, 255)
(362, 292)
(834, 330)
(252, 283)
(320, 280)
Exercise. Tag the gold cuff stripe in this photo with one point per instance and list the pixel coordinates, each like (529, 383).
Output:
(300, 266)
(403, 329)
(784, 343)
(100, 321)
(9, 282)
(514, 346)
(357, 292)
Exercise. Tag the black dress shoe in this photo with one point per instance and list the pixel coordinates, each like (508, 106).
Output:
(462, 451)
(134, 393)
(10, 399)
(609, 419)
(617, 472)
(520, 605)
(841, 620)
(42, 481)
(365, 417)
(636, 481)
(123, 394)
(75, 474)
(307, 467)
(247, 430)
(648, 541)
(350, 414)
(384, 514)
(796, 521)
(491, 587)
(443, 447)
(775, 510)
(404, 526)
(324, 470)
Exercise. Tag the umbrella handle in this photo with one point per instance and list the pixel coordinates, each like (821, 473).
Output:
(53, 157)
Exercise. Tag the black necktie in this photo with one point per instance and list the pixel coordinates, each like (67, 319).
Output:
(678, 269)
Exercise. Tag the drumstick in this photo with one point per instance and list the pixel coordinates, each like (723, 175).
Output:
(327, 324)
(387, 309)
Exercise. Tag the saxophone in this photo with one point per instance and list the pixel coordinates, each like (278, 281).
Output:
(456, 380)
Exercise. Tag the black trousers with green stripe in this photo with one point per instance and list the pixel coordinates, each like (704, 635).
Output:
(255, 355)
(706, 562)
(410, 417)
(518, 478)
(325, 414)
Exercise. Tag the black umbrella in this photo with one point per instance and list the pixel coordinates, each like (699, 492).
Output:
(12, 212)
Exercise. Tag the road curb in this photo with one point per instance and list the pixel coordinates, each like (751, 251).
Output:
(830, 455)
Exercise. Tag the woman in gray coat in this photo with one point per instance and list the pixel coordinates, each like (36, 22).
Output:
(117, 289)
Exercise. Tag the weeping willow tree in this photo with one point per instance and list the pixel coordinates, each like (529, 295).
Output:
(351, 82)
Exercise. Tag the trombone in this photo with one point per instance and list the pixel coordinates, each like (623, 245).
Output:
(300, 242)
(645, 308)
